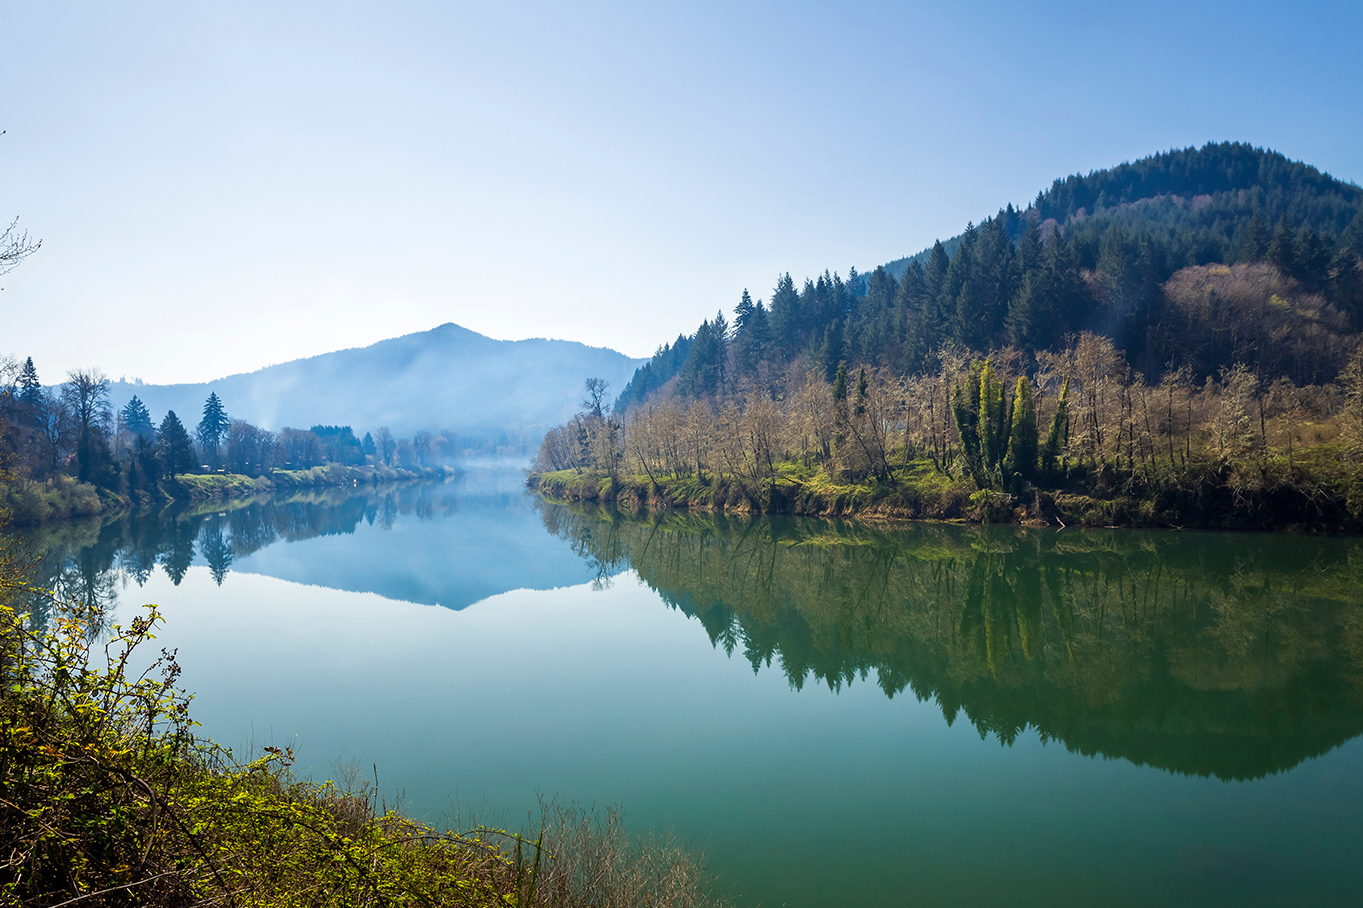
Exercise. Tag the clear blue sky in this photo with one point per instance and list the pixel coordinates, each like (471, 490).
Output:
(221, 186)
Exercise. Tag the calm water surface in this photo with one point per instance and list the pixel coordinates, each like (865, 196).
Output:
(838, 714)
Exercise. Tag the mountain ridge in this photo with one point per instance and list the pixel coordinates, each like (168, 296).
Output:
(448, 377)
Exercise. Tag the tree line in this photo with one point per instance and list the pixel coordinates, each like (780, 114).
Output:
(72, 430)
(1002, 421)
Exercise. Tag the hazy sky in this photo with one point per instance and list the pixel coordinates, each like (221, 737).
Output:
(222, 186)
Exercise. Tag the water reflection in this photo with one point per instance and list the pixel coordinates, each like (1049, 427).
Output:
(1232, 656)
(447, 544)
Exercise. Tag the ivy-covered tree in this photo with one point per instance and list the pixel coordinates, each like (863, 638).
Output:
(1022, 438)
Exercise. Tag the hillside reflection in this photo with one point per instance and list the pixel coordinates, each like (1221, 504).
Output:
(449, 544)
(1226, 655)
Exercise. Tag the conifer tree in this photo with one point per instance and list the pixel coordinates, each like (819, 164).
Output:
(136, 419)
(742, 312)
(213, 427)
(30, 389)
(1352, 238)
(1282, 249)
(174, 448)
(1255, 246)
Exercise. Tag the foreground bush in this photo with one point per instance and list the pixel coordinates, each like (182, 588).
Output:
(107, 798)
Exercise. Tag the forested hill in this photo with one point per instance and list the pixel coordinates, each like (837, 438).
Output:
(445, 378)
(1197, 257)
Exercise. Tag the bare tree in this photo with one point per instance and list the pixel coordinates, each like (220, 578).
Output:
(385, 446)
(86, 396)
(15, 246)
(594, 397)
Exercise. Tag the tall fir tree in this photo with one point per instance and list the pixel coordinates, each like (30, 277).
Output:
(1282, 252)
(213, 428)
(1255, 245)
(136, 419)
(30, 389)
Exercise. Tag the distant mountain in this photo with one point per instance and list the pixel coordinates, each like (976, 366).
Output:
(445, 378)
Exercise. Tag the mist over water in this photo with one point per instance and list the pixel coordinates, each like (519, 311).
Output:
(838, 713)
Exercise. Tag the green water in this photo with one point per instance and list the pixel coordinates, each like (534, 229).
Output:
(837, 713)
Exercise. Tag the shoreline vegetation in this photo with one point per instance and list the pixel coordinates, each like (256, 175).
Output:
(32, 503)
(1080, 439)
(67, 453)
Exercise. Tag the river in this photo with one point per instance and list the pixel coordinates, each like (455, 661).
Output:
(836, 713)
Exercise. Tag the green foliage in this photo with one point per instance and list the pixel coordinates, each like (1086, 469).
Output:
(965, 407)
(29, 502)
(213, 427)
(136, 418)
(108, 798)
(994, 420)
(1022, 439)
(174, 449)
(1058, 436)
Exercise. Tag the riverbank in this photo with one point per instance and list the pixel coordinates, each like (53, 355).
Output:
(1320, 491)
(32, 503)
(110, 799)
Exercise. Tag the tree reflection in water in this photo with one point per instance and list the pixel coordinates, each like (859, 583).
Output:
(1222, 655)
(86, 563)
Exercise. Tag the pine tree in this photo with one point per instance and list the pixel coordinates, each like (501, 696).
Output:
(213, 427)
(754, 344)
(30, 389)
(136, 419)
(1255, 245)
(1023, 315)
(742, 312)
(1312, 254)
(1029, 248)
(1352, 238)
(1282, 252)
(174, 448)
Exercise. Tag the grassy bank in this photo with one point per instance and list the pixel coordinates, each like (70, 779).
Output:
(108, 798)
(1320, 490)
(31, 503)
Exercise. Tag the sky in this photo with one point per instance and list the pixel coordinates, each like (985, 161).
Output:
(220, 187)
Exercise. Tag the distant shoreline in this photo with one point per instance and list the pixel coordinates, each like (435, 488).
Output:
(32, 503)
